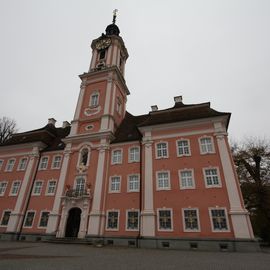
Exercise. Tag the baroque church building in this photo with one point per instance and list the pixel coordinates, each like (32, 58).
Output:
(164, 179)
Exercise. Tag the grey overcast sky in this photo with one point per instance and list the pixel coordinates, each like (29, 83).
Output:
(204, 50)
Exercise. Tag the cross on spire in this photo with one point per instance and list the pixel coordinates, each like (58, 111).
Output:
(114, 15)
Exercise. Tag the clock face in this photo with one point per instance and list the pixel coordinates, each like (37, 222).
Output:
(103, 43)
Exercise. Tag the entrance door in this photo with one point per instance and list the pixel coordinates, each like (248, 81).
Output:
(73, 222)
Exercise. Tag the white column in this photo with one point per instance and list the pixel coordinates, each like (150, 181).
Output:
(96, 214)
(148, 214)
(55, 213)
(16, 215)
(239, 215)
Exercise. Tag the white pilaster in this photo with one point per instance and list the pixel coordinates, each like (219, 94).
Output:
(16, 215)
(148, 214)
(93, 60)
(54, 215)
(105, 119)
(96, 214)
(239, 215)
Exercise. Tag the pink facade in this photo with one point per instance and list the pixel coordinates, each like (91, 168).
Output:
(110, 175)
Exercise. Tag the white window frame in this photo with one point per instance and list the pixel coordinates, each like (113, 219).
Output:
(91, 101)
(53, 162)
(132, 210)
(219, 185)
(48, 186)
(76, 182)
(34, 187)
(180, 179)
(211, 219)
(3, 193)
(171, 216)
(40, 215)
(20, 164)
(3, 213)
(212, 144)
(157, 181)
(198, 219)
(121, 156)
(131, 160)
(167, 150)
(8, 168)
(188, 145)
(128, 180)
(12, 186)
(107, 219)
(111, 183)
(41, 168)
(29, 211)
(1, 163)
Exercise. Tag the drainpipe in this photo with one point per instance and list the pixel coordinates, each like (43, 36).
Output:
(28, 199)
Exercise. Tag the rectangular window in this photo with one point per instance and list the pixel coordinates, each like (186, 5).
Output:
(44, 219)
(186, 179)
(56, 164)
(206, 145)
(37, 188)
(29, 219)
(133, 183)
(219, 220)
(51, 187)
(15, 188)
(10, 165)
(117, 157)
(80, 185)
(22, 164)
(165, 220)
(183, 148)
(1, 163)
(132, 220)
(211, 177)
(115, 184)
(161, 150)
(119, 105)
(43, 163)
(112, 220)
(5, 218)
(3, 186)
(134, 154)
(163, 181)
(191, 222)
(94, 100)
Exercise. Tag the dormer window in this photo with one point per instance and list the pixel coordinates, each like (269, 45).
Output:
(102, 54)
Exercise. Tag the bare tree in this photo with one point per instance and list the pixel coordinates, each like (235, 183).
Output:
(7, 128)
(252, 160)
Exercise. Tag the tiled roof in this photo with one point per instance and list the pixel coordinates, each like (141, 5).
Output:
(128, 130)
(181, 112)
(49, 135)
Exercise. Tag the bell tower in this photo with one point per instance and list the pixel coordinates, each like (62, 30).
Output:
(101, 104)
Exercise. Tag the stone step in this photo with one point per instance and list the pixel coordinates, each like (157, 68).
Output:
(69, 240)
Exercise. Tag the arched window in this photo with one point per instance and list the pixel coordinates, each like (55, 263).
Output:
(84, 156)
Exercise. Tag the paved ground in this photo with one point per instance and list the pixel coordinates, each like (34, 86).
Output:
(31, 256)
